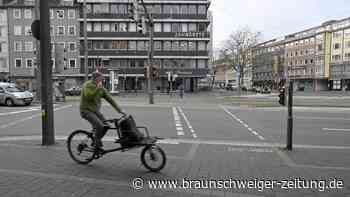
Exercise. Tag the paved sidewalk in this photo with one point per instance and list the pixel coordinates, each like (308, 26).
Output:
(29, 169)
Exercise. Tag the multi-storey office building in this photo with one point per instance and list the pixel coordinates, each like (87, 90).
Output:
(4, 55)
(267, 63)
(316, 58)
(180, 42)
(22, 45)
(340, 55)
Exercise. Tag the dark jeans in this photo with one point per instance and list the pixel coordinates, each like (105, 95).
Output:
(96, 120)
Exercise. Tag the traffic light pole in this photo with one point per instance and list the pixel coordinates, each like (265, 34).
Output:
(85, 43)
(37, 53)
(290, 117)
(150, 58)
(48, 136)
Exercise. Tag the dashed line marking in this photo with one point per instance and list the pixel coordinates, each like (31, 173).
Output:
(178, 123)
(243, 124)
(194, 135)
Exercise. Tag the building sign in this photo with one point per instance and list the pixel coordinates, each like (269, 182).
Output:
(191, 34)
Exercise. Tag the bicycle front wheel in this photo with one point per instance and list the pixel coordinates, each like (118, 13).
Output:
(153, 158)
(80, 146)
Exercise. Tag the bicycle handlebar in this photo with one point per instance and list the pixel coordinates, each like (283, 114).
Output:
(115, 119)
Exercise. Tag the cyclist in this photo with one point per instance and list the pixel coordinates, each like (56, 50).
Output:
(90, 105)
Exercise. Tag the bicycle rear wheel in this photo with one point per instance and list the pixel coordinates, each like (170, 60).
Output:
(153, 158)
(80, 146)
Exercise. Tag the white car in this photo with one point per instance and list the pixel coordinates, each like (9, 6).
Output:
(10, 95)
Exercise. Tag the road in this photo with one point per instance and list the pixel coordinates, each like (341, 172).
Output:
(203, 140)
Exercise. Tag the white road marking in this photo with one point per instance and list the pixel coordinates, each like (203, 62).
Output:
(29, 118)
(244, 124)
(320, 118)
(178, 123)
(335, 130)
(18, 112)
(194, 135)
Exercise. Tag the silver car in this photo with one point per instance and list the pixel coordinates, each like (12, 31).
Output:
(11, 95)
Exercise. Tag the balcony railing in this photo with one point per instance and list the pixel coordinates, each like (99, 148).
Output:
(140, 35)
(144, 53)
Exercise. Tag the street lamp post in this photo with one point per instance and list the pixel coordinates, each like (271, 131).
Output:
(85, 42)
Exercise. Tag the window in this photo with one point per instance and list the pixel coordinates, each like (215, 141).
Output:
(191, 46)
(141, 46)
(17, 30)
(157, 27)
(175, 27)
(201, 46)
(71, 30)
(119, 45)
(28, 13)
(347, 56)
(167, 46)
(319, 47)
(167, 9)
(60, 30)
(157, 45)
(27, 31)
(97, 27)
(28, 46)
(71, 13)
(202, 27)
(132, 45)
(72, 46)
(202, 9)
(106, 27)
(192, 27)
(335, 57)
(347, 33)
(184, 27)
(51, 14)
(99, 8)
(192, 9)
(60, 14)
(336, 45)
(348, 44)
(157, 9)
(175, 9)
(72, 63)
(88, 27)
(17, 46)
(201, 64)
(337, 34)
(167, 27)
(18, 63)
(17, 13)
(183, 46)
(183, 9)
(29, 63)
(132, 27)
(175, 46)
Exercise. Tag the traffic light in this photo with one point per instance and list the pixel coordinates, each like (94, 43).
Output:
(142, 27)
(35, 27)
(282, 99)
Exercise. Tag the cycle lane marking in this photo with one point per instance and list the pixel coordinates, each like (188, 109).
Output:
(178, 124)
(193, 132)
(29, 118)
(255, 133)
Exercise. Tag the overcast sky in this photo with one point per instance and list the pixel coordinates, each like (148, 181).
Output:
(273, 18)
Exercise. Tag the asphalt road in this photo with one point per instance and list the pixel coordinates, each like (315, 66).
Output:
(204, 140)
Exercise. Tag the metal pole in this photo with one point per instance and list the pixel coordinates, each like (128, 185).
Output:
(150, 59)
(37, 53)
(290, 117)
(48, 135)
(85, 43)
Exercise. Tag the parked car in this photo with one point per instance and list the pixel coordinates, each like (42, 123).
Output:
(231, 87)
(11, 95)
(265, 90)
(73, 91)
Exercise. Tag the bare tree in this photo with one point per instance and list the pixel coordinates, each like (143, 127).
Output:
(236, 51)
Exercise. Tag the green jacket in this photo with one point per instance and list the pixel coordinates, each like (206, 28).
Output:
(91, 98)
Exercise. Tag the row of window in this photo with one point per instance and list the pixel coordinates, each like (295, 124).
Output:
(301, 62)
(338, 57)
(29, 13)
(300, 53)
(337, 46)
(60, 30)
(143, 45)
(343, 33)
(158, 27)
(29, 63)
(29, 46)
(132, 63)
(109, 8)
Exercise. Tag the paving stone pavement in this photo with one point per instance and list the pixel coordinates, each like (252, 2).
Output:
(29, 169)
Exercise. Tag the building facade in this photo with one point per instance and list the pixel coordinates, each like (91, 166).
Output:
(4, 55)
(181, 43)
(22, 47)
(224, 75)
(315, 59)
